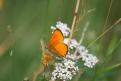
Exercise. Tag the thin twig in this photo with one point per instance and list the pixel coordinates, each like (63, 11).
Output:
(109, 10)
(107, 17)
(40, 69)
(81, 71)
(37, 73)
(74, 18)
(83, 33)
(117, 22)
(42, 46)
(82, 37)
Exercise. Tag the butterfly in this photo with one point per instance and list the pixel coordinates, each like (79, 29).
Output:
(56, 46)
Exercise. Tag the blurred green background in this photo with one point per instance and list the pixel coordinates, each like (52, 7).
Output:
(24, 22)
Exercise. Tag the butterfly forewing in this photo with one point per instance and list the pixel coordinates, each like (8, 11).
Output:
(56, 37)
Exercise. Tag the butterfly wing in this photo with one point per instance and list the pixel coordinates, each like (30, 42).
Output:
(56, 44)
(56, 37)
(61, 49)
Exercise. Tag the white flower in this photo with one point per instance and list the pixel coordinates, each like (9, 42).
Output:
(82, 49)
(89, 59)
(63, 27)
(53, 28)
(71, 43)
(66, 41)
(65, 70)
(72, 57)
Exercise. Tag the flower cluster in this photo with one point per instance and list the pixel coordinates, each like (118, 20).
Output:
(67, 68)
(89, 59)
(63, 27)
(71, 43)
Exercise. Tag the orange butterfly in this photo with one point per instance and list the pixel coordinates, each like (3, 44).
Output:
(56, 46)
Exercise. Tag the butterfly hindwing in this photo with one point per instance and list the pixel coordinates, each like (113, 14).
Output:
(61, 49)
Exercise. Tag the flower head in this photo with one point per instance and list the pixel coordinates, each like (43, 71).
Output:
(63, 27)
(89, 59)
(71, 43)
(65, 70)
